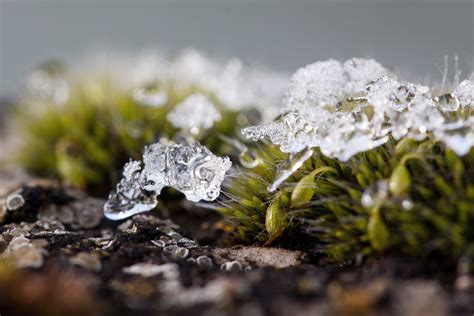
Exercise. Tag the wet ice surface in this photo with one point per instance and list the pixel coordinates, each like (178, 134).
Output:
(195, 113)
(348, 108)
(189, 168)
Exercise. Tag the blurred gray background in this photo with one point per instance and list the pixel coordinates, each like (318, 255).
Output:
(411, 36)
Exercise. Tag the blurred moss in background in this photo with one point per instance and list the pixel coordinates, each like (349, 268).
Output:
(82, 124)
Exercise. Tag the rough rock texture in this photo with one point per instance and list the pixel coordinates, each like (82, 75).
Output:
(56, 262)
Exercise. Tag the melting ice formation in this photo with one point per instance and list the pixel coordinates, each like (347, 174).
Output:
(189, 168)
(352, 107)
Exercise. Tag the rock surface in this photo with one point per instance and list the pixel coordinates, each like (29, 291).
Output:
(56, 261)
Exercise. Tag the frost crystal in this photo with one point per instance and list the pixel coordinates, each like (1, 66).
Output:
(195, 113)
(322, 109)
(465, 93)
(328, 82)
(349, 108)
(191, 169)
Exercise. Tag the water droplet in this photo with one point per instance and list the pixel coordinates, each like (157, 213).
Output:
(407, 204)
(248, 159)
(375, 194)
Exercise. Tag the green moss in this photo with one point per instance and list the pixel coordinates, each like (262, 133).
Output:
(86, 141)
(427, 209)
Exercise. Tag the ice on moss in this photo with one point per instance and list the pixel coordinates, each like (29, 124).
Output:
(345, 109)
(321, 109)
(464, 93)
(407, 109)
(189, 168)
(195, 113)
(326, 83)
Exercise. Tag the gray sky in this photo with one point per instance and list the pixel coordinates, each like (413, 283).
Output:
(412, 36)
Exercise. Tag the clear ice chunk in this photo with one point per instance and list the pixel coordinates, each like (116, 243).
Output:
(409, 108)
(464, 92)
(195, 113)
(129, 198)
(317, 110)
(345, 109)
(322, 108)
(189, 168)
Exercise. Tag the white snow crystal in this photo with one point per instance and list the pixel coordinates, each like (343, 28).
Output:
(195, 113)
(465, 93)
(349, 108)
(321, 109)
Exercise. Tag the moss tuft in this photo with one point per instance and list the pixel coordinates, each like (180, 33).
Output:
(406, 197)
(86, 141)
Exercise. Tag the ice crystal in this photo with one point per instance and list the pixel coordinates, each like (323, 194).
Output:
(129, 198)
(195, 113)
(375, 194)
(465, 93)
(349, 108)
(328, 82)
(189, 168)
(321, 109)
(409, 108)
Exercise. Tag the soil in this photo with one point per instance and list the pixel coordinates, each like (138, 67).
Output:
(56, 264)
